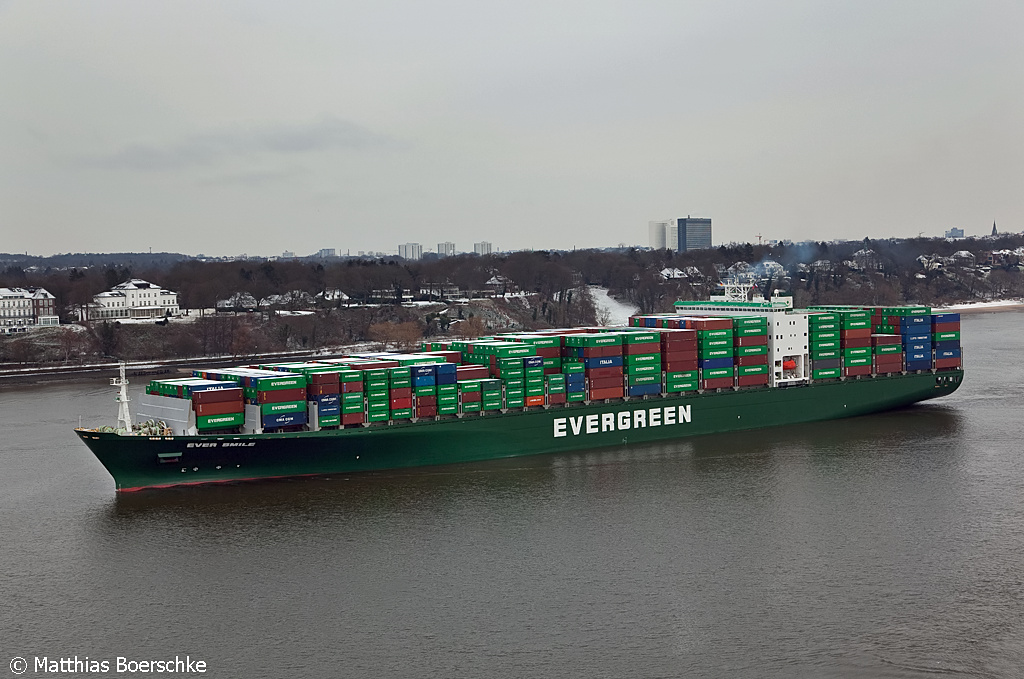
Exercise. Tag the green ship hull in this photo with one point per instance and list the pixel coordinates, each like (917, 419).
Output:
(137, 462)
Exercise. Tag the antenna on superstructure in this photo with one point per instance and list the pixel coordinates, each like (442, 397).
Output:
(124, 417)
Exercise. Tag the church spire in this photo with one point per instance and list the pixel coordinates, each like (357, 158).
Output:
(994, 228)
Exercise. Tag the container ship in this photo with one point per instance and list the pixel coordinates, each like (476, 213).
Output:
(715, 366)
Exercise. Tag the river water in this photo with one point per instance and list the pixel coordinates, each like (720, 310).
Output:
(882, 546)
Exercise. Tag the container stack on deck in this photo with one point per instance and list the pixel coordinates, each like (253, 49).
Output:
(946, 341)
(680, 359)
(642, 363)
(217, 404)
(824, 345)
(280, 396)
(750, 345)
(601, 355)
(915, 325)
(715, 346)
(855, 340)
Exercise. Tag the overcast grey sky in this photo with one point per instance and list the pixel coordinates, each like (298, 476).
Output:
(225, 127)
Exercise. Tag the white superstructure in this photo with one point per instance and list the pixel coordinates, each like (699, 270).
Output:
(788, 343)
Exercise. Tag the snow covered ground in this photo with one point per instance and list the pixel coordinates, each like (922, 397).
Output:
(984, 306)
(617, 312)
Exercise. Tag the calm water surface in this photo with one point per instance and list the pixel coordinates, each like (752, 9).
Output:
(883, 546)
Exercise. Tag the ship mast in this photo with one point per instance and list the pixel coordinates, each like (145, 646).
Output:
(124, 418)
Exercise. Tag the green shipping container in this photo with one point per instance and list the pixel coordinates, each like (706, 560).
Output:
(474, 407)
(635, 380)
(642, 359)
(281, 408)
(853, 362)
(447, 389)
(715, 373)
(884, 349)
(744, 370)
(401, 414)
(220, 421)
(825, 354)
(681, 376)
(946, 336)
(681, 386)
(856, 352)
(759, 350)
(826, 373)
(377, 415)
(425, 391)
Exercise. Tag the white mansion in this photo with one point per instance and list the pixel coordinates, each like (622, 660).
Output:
(21, 308)
(134, 299)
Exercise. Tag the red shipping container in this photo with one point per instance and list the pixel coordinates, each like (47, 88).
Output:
(716, 383)
(681, 354)
(608, 392)
(377, 365)
(471, 372)
(552, 370)
(351, 387)
(352, 418)
(678, 335)
(425, 411)
(426, 401)
(681, 345)
(549, 352)
(401, 403)
(709, 323)
(555, 399)
(323, 389)
(449, 356)
(750, 341)
(856, 333)
(605, 382)
(324, 378)
(472, 396)
(281, 395)
(752, 360)
(856, 342)
(946, 327)
(885, 340)
(643, 348)
(218, 408)
(947, 363)
(534, 400)
(857, 370)
(889, 360)
(680, 366)
(217, 395)
(601, 373)
(403, 392)
(602, 352)
(751, 380)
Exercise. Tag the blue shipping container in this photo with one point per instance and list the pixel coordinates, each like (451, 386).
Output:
(947, 353)
(945, 318)
(424, 381)
(533, 362)
(603, 362)
(711, 363)
(283, 420)
(644, 389)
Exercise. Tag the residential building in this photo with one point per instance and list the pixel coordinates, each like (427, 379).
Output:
(21, 308)
(446, 249)
(955, 233)
(326, 252)
(410, 251)
(482, 248)
(134, 299)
